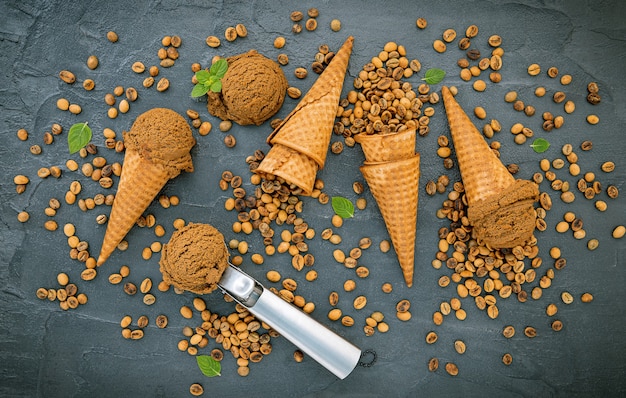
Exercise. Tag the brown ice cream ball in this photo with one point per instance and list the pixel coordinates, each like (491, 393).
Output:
(253, 90)
(163, 137)
(195, 258)
(506, 219)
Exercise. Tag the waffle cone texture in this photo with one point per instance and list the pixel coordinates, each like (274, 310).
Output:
(500, 208)
(290, 165)
(309, 126)
(157, 150)
(387, 147)
(300, 142)
(482, 172)
(139, 184)
(395, 187)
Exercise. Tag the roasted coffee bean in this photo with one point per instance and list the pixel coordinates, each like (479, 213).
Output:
(433, 364)
(473, 54)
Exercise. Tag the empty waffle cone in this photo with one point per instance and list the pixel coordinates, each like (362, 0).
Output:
(293, 166)
(482, 172)
(140, 182)
(387, 147)
(308, 128)
(395, 187)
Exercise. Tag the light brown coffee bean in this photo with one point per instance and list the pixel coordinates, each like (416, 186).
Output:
(213, 41)
(163, 84)
(530, 332)
(230, 34)
(138, 67)
(334, 314)
(459, 346)
(586, 298)
(507, 359)
(439, 46)
(534, 69)
(452, 369)
(196, 389)
(310, 24)
(360, 302)
(67, 76)
(241, 30)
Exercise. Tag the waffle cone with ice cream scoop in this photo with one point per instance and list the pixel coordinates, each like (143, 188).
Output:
(500, 208)
(157, 149)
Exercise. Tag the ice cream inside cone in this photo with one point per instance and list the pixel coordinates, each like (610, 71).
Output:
(194, 259)
(500, 208)
(506, 219)
(157, 149)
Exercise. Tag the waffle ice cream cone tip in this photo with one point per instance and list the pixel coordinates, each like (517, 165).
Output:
(500, 208)
(395, 187)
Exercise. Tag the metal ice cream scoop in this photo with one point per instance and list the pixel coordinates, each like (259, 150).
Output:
(317, 341)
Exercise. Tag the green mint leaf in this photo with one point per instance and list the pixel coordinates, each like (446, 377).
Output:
(434, 75)
(203, 76)
(342, 207)
(540, 145)
(217, 86)
(212, 79)
(219, 68)
(209, 366)
(199, 90)
(78, 136)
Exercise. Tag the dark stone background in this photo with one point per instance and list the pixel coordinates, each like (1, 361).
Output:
(47, 352)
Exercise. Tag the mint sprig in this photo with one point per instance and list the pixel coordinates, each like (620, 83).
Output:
(342, 207)
(540, 145)
(434, 75)
(210, 80)
(78, 136)
(209, 366)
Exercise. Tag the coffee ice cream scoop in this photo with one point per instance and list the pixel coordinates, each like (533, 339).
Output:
(196, 259)
(158, 149)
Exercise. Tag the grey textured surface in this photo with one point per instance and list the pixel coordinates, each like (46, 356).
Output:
(47, 352)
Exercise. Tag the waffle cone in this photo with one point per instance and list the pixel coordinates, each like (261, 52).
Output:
(140, 182)
(309, 126)
(387, 147)
(395, 187)
(293, 166)
(482, 172)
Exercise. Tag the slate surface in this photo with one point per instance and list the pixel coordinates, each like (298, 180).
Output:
(48, 352)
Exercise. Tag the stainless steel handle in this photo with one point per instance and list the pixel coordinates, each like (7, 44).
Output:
(317, 341)
(329, 349)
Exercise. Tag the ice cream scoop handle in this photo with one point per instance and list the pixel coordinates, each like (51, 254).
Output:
(329, 349)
